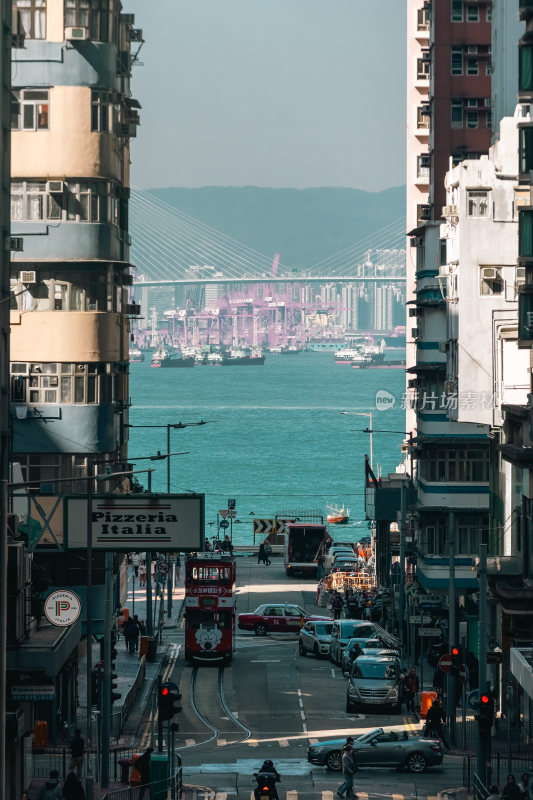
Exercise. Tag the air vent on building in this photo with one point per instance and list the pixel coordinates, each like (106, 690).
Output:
(489, 273)
(28, 276)
(135, 35)
(54, 187)
(79, 34)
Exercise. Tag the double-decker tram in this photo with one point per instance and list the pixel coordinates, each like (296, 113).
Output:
(209, 608)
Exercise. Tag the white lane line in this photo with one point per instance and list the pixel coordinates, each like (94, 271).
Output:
(190, 742)
(332, 673)
(300, 702)
(253, 743)
(283, 742)
(266, 661)
(221, 742)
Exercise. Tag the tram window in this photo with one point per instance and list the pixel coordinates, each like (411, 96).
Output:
(194, 618)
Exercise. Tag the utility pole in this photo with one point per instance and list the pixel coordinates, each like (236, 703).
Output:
(149, 622)
(106, 681)
(401, 585)
(451, 623)
(483, 750)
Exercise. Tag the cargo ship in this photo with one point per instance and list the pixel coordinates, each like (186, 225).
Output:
(237, 356)
(175, 360)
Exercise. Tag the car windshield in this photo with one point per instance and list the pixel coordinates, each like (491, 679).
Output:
(375, 670)
(324, 628)
(352, 631)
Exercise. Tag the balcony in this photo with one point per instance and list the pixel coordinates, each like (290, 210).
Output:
(517, 448)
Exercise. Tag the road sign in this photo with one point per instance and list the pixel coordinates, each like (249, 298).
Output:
(224, 524)
(223, 512)
(163, 567)
(495, 657)
(472, 699)
(231, 514)
(263, 526)
(231, 504)
(445, 663)
(415, 620)
(430, 632)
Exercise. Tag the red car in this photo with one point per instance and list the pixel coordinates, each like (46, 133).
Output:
(284, 617)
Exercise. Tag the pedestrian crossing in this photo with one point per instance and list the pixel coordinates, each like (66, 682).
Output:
(203, 793)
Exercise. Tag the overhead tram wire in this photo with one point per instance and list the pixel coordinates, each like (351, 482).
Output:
(152, 200)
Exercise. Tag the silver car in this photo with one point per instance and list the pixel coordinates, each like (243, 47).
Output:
(315, 637)
(379, 748)
(376, 681)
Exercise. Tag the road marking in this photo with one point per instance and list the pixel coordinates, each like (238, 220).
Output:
(397, 797)
(327, 795)
(332, 673)
(252, 743)
(292, 794)
(221, 742)
(283, 742)
(362, 795)
(221, 796)
(300, 702)
(266, 661)
(189, 742)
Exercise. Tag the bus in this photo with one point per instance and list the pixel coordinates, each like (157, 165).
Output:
(209, 608)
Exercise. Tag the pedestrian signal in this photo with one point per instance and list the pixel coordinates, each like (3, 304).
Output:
(168, 701)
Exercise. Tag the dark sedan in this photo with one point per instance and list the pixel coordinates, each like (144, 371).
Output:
(380, 748)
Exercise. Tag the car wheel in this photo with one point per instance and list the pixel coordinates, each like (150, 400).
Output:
(260, 629)
(416, 762)
(334, 761)
(301, 648)
(316, 651)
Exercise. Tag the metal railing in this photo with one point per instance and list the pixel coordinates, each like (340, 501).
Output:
(500, 765)
(155, 789)
(59, 758)
(479, 789)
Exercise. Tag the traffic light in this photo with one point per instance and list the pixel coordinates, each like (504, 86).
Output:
(485, 715)
(457, 662)
(169, 695)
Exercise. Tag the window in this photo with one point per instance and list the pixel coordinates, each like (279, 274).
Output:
(85, 384)
(443, 258)
(472, 13)
(457, 114)
(420, 257)
(456, 465)
(525, 149)
(457, 11)
(457, 60)
(472, 119)
(80, 201)
(422, 166)
(422, 69)
(471, 533)
(103, 112)
(29, 18)
(422, 117)
(472, 66)
(489, 119)
(490, 281)
(433, 540)
(422, 19)
(96, 15)
(525, 67)
(478, 203)
(29, 109)
(488, 16)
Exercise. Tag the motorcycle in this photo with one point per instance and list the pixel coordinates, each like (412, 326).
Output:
(266, 786)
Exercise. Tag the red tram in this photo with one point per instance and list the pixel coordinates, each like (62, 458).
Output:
(209, 608)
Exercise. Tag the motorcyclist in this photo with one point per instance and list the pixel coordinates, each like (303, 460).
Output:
(269, 776)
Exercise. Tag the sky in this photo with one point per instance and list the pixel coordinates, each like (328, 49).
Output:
(278, 93)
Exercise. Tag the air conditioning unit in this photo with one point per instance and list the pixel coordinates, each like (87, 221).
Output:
(78, 34)
(125, 130)
(127, 19)
(450, 387)
(415, 333)
(444, 270)
(449, 211)
(28, 276)
(489, 273)
(471, 49)
(54, 187)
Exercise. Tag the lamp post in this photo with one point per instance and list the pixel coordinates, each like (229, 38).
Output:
(369, 415)
(168, 427)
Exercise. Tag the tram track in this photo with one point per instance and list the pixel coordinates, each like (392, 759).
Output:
(216, 719)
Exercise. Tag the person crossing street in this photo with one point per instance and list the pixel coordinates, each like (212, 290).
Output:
(349, 768)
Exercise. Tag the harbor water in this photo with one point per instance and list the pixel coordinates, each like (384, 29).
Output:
(275, 441)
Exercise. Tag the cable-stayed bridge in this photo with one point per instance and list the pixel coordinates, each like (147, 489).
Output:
(167, 244)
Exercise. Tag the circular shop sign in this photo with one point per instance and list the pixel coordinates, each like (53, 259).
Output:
(62, 607)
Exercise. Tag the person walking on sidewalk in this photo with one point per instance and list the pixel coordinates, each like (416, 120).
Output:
(51, 789)
(268, 550)
(410, 687)
(349, 768)
(77, 748)
(261, 557)
(131, 635)
(142, 573)
(337, 604)
(142, 765)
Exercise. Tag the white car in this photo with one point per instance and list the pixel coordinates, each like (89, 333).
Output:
(315, 637)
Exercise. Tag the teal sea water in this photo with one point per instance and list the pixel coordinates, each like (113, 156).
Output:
(276, 440)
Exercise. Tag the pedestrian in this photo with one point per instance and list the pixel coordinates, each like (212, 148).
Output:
(524, 785)
(140, 626)
(268, 550)
(410, 688)
(77, 748)
(227, 545)
(320, 566)
(135, 561)
(352, 605)
(494, 792)
(142, 573)
(349, 768)
(178, 566)
(51, 789)
(131, 635)
(142, 765)
(25, 796)
(337, 604)
(511, 790)
(261, 557)
(435, 724)
(72, 788)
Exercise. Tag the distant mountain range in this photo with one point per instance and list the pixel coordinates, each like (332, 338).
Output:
(303, 225)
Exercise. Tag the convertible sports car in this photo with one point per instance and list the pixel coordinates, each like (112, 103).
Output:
(378, 748)
(283, 617)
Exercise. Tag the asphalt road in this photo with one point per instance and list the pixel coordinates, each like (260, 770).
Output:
(271, 703)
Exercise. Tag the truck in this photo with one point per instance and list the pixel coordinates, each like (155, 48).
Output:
(304, 542)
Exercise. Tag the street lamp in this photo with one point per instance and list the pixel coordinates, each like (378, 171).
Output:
(168, 426)
(369, 415)
(158, 457)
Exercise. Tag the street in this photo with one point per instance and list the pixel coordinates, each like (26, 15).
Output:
(272, 703)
